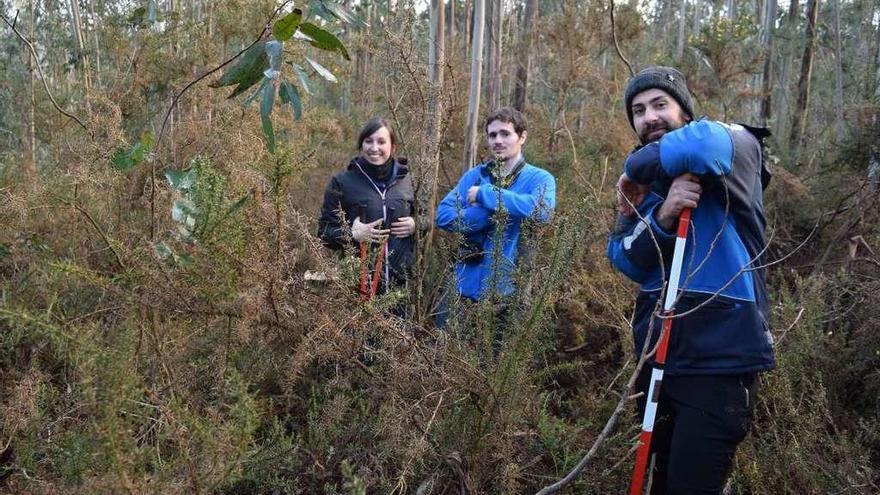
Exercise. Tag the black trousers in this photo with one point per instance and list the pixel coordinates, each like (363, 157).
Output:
(700, 421)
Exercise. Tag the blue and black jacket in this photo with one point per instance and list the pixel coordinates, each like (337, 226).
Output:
(532, 194)
(730, 334)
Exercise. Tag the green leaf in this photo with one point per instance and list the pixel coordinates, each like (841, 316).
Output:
(257, 93)
(323, 39)
(284, 28)
(237, 205)
(289, 94)
(147, 141)
(184, 211)
(303, 78)
(184, 260)
(321, 70)
(318, 8)
(276, 56)
(266, 103)
(246, 71)
(182, 180)
(128, 158)
(343, 13)
(162, 251)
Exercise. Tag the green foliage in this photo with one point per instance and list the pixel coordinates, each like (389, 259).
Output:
(128, 158)
(267, 100)
(289, 94)
(323, 39)
(284, 28)
(246, 71)
(263, 61)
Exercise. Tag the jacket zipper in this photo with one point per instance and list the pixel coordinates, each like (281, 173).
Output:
(384, 212)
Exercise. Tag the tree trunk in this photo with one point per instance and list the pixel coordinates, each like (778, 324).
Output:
(497, 71)
(468, 26)
(682, 19)
(470, 145)
(798, 120)
(434, 120)
(838, 76)
(731, 9)
(435, 43)
(491, 53)
(524, 57)
(786, 62)
(450, 24)
(91, 5)
(874, 160)
(29, 164)
(79, 42)
(767, 75)
(698, 7)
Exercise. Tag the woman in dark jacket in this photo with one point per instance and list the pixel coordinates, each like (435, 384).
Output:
(372, 202)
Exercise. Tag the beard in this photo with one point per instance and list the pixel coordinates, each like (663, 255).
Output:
(661, 125)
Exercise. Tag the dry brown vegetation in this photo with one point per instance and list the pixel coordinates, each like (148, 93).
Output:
(139, 354)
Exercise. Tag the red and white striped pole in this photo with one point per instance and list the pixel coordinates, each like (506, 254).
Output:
(642, 454)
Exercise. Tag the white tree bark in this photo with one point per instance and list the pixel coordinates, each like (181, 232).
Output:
(682, 20)
(434, 110)
(470, 145)
(767, 75)
(79, 41)
(524, 57)
(874, 159)
(838, 76)
(698, 8)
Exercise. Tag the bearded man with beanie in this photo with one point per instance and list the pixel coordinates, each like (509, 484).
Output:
(723, 341)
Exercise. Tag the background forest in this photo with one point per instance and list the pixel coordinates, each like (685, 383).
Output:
(158, 333)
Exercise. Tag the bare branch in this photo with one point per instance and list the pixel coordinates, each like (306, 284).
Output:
(33, 51)
(616, 44)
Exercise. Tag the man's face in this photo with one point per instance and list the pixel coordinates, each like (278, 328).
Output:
(655, 113)
(503, 140)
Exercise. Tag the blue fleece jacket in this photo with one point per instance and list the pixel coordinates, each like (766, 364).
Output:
(531, 195)
(730, 334)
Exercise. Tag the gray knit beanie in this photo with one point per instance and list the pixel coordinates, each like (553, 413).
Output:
(665, 78)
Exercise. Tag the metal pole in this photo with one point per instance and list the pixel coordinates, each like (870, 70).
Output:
(642, 454)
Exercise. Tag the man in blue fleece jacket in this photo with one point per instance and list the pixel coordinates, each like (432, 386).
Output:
(708, 394)
(471, 208)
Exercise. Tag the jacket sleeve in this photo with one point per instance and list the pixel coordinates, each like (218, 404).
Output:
(635, 245)
(330, 227)
(539, 202)
(455, 215)
(702, 148)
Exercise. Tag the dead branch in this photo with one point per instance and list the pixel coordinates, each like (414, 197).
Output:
(616, 44)
(43, 76)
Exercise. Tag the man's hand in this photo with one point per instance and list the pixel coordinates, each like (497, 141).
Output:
(403, 227)
(684, 193)
(472, 195)
(367, 232)
(629, 195)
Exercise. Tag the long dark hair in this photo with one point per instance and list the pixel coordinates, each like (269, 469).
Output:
(372, 126)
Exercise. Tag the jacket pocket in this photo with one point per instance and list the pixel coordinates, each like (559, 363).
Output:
(722, 335)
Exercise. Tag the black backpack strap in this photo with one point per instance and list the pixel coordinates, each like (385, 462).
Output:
(761, 133)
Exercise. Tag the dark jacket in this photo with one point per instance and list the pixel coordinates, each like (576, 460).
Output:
(730, 334)
(352, 194)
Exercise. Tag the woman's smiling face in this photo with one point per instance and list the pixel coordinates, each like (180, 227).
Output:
(377, 147)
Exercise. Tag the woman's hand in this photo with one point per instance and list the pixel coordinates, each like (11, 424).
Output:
(367, 232)
(403, 227)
